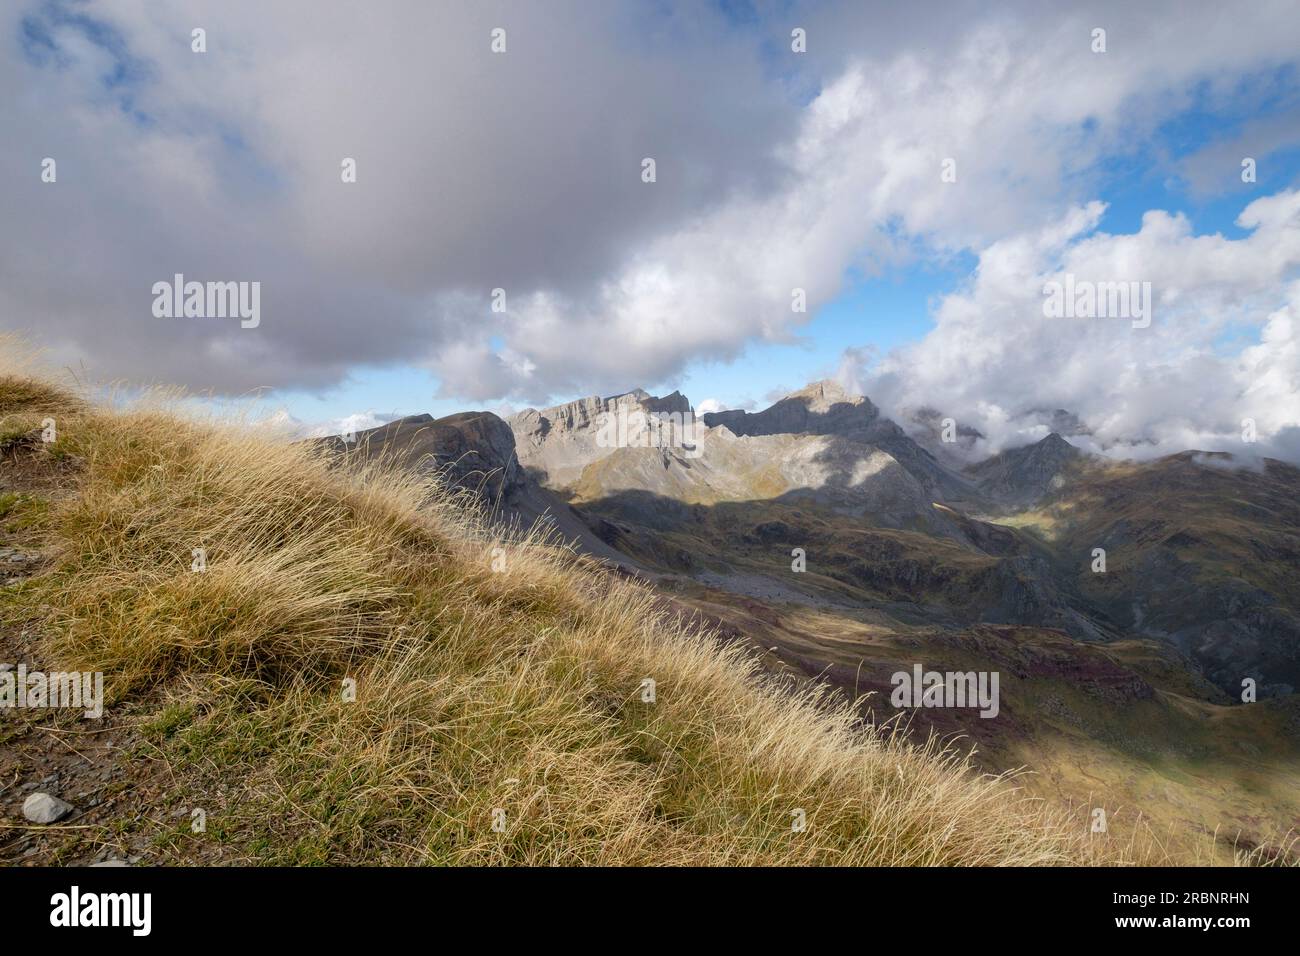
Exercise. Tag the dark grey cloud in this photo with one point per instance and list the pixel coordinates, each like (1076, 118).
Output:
(475, 170)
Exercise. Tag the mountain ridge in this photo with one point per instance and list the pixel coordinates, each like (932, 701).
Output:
(705, 502)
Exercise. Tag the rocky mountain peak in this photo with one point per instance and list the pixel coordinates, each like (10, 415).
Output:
(822, 408)
(584, 413)
(1054, 444)
(1023, 475)
(1059, 420)
(558, 442)
(470, 450)
(822, 396)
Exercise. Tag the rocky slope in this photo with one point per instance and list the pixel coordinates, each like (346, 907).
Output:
(826, 408)
(1021, 476)
(819, 444)
(475, 453)
(556, 444)
(1202, 553)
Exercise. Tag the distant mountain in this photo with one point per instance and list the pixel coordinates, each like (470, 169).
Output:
(1024, 475)
(557, 443)
(822, 408)
(1060, 420)
(1200, 554)
(822, 468)
(826, 408)
(819, 444)
(926, 426)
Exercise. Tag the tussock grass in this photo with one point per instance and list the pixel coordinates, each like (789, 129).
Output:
(477, 690)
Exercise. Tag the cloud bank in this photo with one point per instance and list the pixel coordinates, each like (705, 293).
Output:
(995, 361)
(522, 171)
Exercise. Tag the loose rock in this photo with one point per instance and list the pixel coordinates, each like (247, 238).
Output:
(43, 808)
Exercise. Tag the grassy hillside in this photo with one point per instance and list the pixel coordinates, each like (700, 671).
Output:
(1123, 726)
(490, 675)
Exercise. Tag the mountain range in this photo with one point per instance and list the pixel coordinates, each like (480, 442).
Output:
(1144, 616)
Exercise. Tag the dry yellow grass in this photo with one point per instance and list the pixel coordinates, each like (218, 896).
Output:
(477, 690)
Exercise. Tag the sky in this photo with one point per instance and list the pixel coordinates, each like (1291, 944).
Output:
(920, 171)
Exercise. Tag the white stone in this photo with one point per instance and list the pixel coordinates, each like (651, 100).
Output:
(43, 808)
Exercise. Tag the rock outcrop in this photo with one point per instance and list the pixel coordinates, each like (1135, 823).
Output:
(555, 444)
(473, 451)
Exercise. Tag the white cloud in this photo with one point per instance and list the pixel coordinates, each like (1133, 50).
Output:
(356, 422)
(994, 359)
(283, 422)
(709, 405)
